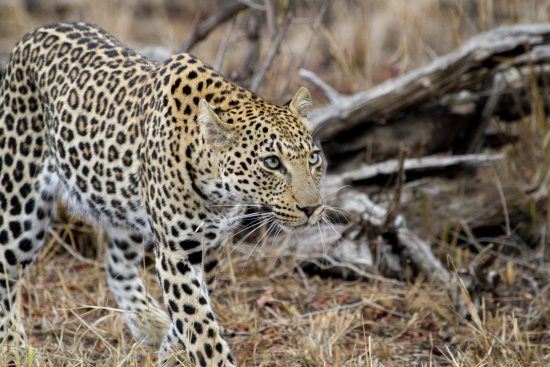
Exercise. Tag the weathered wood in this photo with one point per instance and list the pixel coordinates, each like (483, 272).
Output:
(346, 250)
(440, 105)
(358, 203)
(442, 76)
(366, 171)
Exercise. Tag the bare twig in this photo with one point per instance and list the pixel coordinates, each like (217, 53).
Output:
(253, 26)
(297, 60)
(503, 200)
(367, 171)
(274, 49)
(422, 255)
(253, 5)
(270, 14)
(332, 94)
(396, 199)
(222, 48)
(475, 140)
(227, 10)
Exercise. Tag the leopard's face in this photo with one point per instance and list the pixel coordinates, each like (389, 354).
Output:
(267, 157)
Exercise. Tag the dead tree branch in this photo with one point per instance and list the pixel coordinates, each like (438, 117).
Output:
(273, 50)
(332, 94)
(420, 251)
(476, 60)
(227, 10)
(445, 105)
(366, 171)
(396, 199)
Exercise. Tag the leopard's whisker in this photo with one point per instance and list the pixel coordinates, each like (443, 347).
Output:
(262, 223)
(279, 230)
(248, 235)
(252, 205)
(331, 226)
(253, 224)
(334, 192)
(272, 225)
(234, 205)
(338, 210)
(341, 213)
(323, 244)
(245, 216)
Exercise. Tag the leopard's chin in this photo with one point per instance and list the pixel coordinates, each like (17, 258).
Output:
(293, 227)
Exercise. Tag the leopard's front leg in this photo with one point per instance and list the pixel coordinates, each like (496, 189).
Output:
(194, 334)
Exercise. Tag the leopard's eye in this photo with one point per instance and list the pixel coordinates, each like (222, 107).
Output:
(314, 158)
(272, 162)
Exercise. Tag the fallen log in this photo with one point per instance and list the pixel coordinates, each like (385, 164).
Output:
(438, 106)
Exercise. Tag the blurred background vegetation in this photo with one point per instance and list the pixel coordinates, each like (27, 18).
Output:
(278, 309)
(352, 44)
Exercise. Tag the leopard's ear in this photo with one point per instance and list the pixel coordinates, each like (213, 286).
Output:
(217, 133)
(300, 105)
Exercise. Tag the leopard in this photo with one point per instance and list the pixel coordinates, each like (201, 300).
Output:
(167, 155)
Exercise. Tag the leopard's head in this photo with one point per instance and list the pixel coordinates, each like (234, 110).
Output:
(266, 156)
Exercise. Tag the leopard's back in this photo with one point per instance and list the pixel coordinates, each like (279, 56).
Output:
(81, 90)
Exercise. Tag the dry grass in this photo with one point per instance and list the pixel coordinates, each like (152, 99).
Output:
(276, 314)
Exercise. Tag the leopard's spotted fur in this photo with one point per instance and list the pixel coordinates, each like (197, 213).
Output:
(155, 153)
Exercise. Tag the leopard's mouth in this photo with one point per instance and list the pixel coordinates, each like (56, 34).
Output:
(297, 223)
(293, 226)
(287, 221)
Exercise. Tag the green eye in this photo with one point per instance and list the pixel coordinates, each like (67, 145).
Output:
(314, 158)
(272, 162)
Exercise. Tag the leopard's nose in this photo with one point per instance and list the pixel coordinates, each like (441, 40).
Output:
(308, 210)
